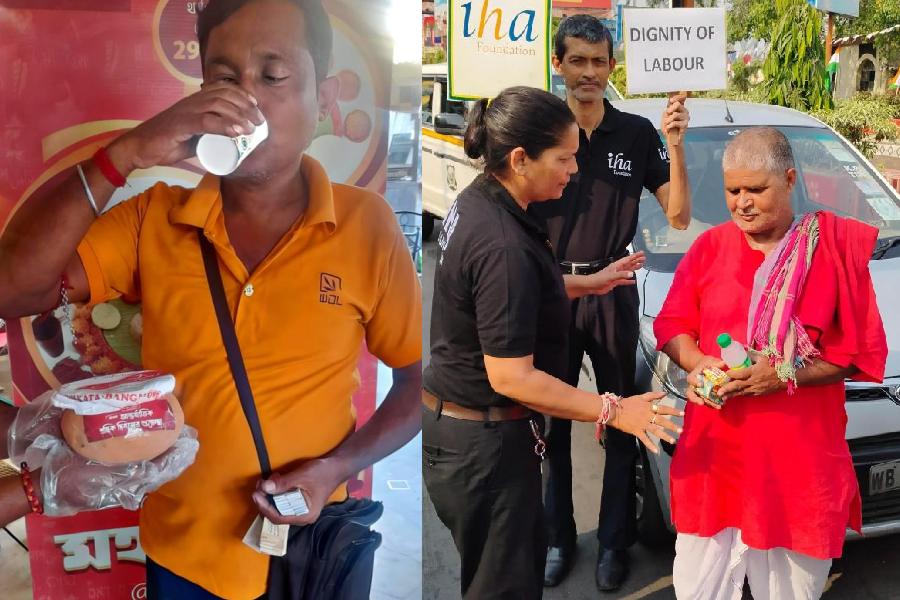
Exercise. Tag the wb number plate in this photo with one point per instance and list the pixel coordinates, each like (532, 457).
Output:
(883, 477)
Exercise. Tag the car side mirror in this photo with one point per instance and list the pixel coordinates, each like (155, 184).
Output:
(449, 124)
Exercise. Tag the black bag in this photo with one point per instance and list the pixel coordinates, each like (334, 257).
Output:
(332, 558)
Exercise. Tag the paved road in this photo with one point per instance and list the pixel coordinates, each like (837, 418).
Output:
(870, 569)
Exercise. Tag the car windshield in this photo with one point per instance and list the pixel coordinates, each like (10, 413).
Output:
(830, 176)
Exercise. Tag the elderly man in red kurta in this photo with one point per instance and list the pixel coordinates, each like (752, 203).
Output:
(764, 486)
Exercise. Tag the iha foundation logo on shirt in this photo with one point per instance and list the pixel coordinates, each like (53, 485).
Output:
(663, 153)
(618, 165)
(330, 289)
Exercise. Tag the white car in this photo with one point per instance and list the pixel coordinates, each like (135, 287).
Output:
(832, 175)
(446, 170)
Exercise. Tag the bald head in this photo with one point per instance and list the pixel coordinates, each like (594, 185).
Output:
(759, 178)
(759, 149)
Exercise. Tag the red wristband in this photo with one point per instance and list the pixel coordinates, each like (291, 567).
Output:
(28, 486)
(101, 159)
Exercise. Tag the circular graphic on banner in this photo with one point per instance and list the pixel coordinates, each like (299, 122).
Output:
(175, 39)
(349, 140)
(68, 344)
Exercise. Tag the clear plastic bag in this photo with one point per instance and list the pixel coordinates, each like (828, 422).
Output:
(71, 483)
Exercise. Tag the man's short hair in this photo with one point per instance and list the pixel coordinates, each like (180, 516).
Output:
(583, 27)
(759, 148)
(318, 27)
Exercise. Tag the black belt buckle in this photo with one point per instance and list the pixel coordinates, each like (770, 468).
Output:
(582, 268)
(590, 267)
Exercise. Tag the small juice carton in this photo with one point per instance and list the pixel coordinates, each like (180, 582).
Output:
(711, 382)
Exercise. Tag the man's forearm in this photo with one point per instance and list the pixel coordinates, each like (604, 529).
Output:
(578, 285)
(574, 285)
(550, 396)
(13, 503)
(395, 423)
(684, 351)
(7, 416)
(678, 205)
(42, 237)
(819, 372)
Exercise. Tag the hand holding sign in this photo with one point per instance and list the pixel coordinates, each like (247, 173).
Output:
(675, 118)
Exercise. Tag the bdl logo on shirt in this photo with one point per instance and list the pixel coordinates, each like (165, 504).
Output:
(330, 289)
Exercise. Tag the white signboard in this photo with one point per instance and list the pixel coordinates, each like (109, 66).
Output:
(841, 7)
(675, 49)
(495, 44)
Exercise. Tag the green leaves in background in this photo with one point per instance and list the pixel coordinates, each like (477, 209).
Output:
(864, 120)
(794, 71)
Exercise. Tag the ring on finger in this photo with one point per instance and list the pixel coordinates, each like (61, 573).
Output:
(653, 420)
(655, 408)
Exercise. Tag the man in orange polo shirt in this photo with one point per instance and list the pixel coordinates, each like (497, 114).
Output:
(311, 270)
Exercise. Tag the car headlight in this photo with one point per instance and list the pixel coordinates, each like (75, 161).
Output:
(672, 377)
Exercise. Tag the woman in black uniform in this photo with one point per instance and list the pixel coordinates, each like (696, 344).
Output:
(498, 347)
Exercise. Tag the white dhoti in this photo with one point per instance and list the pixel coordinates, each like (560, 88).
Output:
(713, 568)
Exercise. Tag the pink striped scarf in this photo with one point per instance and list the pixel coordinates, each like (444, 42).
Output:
(773, 327)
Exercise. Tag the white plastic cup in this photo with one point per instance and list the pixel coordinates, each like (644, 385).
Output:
(222, 155)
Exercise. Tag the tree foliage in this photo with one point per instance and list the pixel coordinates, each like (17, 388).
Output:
(794, 70)
(433, 57)
(619, 78)
(742, 75)
(874, 15)
(864, 120)
(751, 19)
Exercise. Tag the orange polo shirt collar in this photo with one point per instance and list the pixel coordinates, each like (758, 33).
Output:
(203, 208)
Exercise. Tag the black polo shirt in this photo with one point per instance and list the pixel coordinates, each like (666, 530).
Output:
(623, 155)
(497, 291)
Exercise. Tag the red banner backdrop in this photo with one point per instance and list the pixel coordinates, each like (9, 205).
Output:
(73, 75)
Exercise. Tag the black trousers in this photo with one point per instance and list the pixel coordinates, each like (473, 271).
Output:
(484, 480)
(606, 328)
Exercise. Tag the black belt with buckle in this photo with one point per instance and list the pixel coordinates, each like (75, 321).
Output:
(582, 268)
(587, 268)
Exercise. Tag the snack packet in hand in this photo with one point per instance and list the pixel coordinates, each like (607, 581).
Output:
(712, 380)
